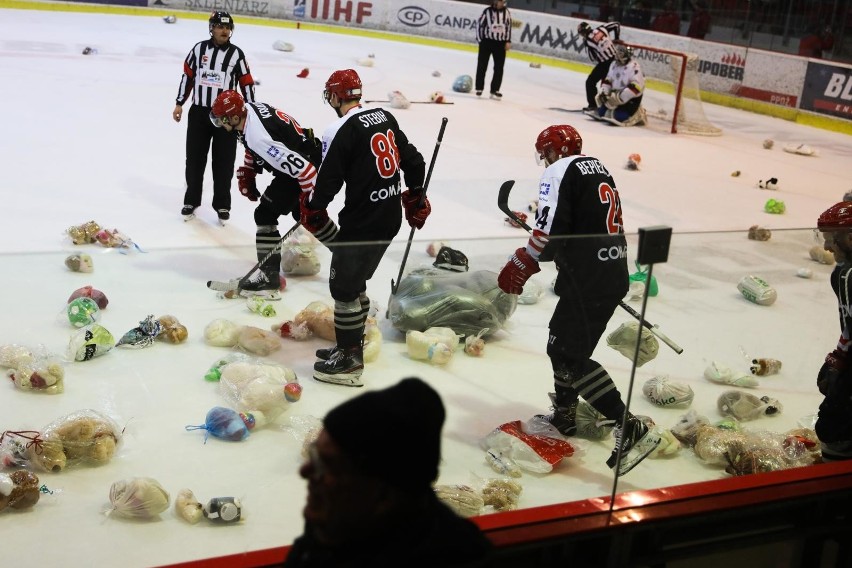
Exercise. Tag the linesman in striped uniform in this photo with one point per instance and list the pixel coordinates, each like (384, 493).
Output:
(212, 66)
(494, 34)
(601, 49)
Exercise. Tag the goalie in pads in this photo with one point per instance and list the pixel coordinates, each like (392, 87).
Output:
(275, 142)
(619, 100)
(578, 226)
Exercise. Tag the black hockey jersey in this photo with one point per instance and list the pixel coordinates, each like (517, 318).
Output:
(279, 144)
(840, 283)
(579, 216)
(365, 149)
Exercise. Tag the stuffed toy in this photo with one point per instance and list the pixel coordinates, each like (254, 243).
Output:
(86, 437)
(18, 490)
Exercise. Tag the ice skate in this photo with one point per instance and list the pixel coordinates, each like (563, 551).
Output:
(563, 418)
(326, 353)
(265, 284)
(497, 96)
(637, 442)
(188, 212)
(224, 216)
(577, 419)
(343, 367)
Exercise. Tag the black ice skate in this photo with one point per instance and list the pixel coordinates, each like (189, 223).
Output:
(188, 212)
(343, 367)
(266, 284)
(563, 418)
(326, 353)
(497, 96)
(224, 215)
(637, 441)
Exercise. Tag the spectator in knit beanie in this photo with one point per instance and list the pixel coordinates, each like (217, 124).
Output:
(370, 501)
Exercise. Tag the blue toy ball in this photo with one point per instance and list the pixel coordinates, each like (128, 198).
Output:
(463, 84)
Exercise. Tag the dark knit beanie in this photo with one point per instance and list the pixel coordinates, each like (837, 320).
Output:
(393, 434)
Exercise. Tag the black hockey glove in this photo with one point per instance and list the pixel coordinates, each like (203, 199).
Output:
(314, 146)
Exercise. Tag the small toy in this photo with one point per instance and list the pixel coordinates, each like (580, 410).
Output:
(143, 335)
(225, 424)
(19, 489)
(138, 498)
(89, 342)
(79, 263)
(82, 312)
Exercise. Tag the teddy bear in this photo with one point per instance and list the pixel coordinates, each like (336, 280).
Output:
(32, 369)
(19, 489)
(81, 437)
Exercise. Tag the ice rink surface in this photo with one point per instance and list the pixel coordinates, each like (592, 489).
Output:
(91, 138)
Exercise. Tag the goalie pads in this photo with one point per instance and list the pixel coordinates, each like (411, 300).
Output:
(624, 341)
(398, 100)
(757, 290)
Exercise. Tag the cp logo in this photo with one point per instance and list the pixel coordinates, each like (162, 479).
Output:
(413, 16)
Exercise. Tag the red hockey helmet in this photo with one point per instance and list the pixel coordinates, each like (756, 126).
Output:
(561, 138)
(220, 19)
(346, 84)
(228, 108)
(836, 217)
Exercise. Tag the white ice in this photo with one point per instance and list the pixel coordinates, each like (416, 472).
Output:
(90, 137)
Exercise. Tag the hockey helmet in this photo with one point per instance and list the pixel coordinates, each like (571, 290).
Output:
(463, 84)
(228, 108)
(561, 138)
(220, 19)
(584, 29)
(345, 83)
(623, 53)
(836, 217)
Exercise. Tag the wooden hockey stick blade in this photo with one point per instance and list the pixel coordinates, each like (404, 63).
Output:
(418, 102)
(503, 204)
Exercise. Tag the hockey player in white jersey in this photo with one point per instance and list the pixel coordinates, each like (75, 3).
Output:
(275, 142)
(619, 100)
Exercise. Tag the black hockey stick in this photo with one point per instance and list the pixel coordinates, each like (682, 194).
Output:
(419, 102)
(395, 285)
(238, 283)
(503, 204)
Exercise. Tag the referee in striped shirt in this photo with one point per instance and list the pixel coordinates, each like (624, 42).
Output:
(212, 66)
(601, 49)
(494, 34)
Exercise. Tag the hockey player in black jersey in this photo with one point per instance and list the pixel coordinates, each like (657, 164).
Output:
(366, 150)
(578, 226)
(274, 141)
(834, 380)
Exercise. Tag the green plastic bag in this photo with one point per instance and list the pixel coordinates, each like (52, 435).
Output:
(642, 276)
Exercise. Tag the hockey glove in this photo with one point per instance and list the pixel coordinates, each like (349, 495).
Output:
(314, 147)
(246, 183)
(613, 101)
(517, 271)
(415, 213)
(828, 378)
(316, 220)
(600, 99)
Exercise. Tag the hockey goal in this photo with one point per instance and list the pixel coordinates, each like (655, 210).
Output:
(675, 94)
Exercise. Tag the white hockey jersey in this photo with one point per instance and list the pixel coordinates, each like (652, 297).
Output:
(626, 80)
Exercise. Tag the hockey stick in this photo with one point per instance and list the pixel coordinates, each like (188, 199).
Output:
(238, 283)
(418, 102)
(560, 109)
(503, 204)
(395, 285)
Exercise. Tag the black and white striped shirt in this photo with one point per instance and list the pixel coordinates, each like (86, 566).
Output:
(599, 42)
(210, 69)
(495, 25)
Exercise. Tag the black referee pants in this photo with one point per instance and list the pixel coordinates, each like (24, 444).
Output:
(199, 133)
(490, 48)
(597, 75)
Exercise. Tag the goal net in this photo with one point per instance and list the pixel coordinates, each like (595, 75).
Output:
(674, 95)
